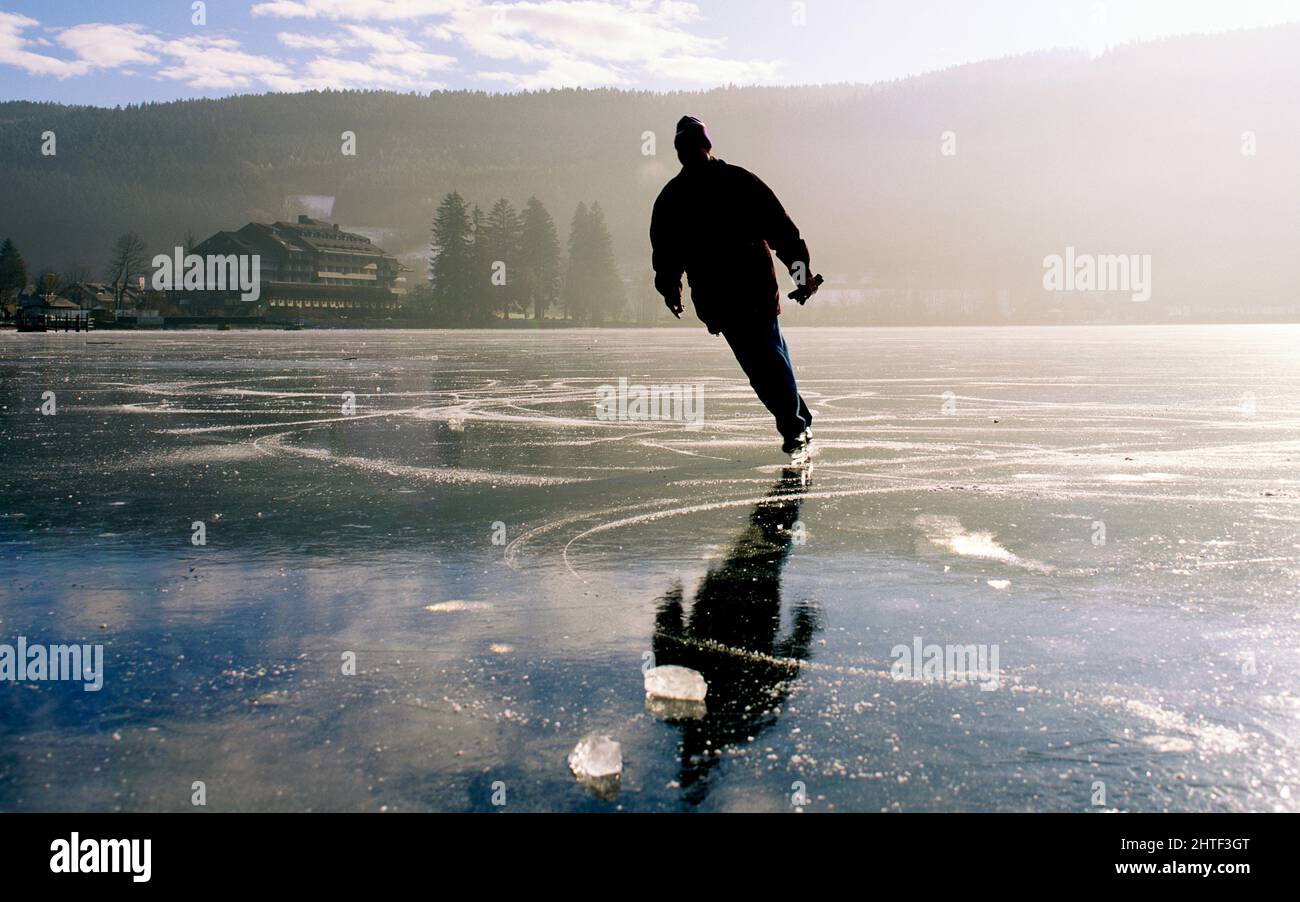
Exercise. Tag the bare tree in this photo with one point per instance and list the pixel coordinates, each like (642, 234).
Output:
(78, 272)
(128, 261)
(48, 280)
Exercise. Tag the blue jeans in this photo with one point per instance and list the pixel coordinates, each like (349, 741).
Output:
(761, 351)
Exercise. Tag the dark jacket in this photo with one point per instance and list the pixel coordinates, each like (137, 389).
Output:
(715, 222)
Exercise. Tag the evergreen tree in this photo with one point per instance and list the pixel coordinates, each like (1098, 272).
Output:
(606, 286)
(575, 278)
(593, 291)
(540, 256)
(13, 272)
(502, 239)
(451, 267)
(482, 303)
(422, 308)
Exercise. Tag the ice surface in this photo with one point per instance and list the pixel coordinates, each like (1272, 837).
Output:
(1136, 511)
(670, 681)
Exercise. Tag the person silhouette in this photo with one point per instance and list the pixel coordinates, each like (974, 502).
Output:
(717, 224)
(732, 635)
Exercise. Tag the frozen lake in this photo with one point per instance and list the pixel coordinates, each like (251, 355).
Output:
(1113, 511)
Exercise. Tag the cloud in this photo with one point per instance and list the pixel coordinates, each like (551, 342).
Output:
(14, 52)
(219, 63)
(357, 10)
(561, 43)
(326, 72)
(200, 62)
(612, 32)
(567, 72)
(394, 50)
(542, 44)
(306, 41)
(395, 61)
(110, 46)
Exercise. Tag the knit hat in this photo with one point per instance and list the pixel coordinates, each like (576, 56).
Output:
(691, 133)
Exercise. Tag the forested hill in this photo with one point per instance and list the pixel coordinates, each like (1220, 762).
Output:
(1139, 151)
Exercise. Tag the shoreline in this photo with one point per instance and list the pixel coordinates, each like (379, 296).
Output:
(561, 325)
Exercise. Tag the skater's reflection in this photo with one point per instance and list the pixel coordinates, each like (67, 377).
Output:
(732, 635)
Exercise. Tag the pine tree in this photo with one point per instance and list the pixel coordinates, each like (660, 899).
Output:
(593, 291)
(575, 279)
(13, 272)
(606, 286)
(482, 303)
(451, 267)
(503, 237)
(540, 256)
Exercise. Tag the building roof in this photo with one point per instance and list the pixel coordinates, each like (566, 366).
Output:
(55, 303)
(97, 290)
(324, 237)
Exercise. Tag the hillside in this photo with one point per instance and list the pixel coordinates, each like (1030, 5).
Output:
(1136, 152)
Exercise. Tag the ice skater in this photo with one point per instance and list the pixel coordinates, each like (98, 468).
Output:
(716, 223)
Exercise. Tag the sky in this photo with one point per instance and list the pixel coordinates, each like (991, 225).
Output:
(107, 52)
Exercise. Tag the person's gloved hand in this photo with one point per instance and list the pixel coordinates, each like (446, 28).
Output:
(674, 304)
(804, 292)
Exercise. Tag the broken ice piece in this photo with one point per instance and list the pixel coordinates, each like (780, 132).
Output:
(999, 583)
(678, 683)
(596, 755)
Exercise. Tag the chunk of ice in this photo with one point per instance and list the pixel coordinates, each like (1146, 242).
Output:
(596, 757)
(677, 683)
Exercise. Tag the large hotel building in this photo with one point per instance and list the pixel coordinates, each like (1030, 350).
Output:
(309, 270)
